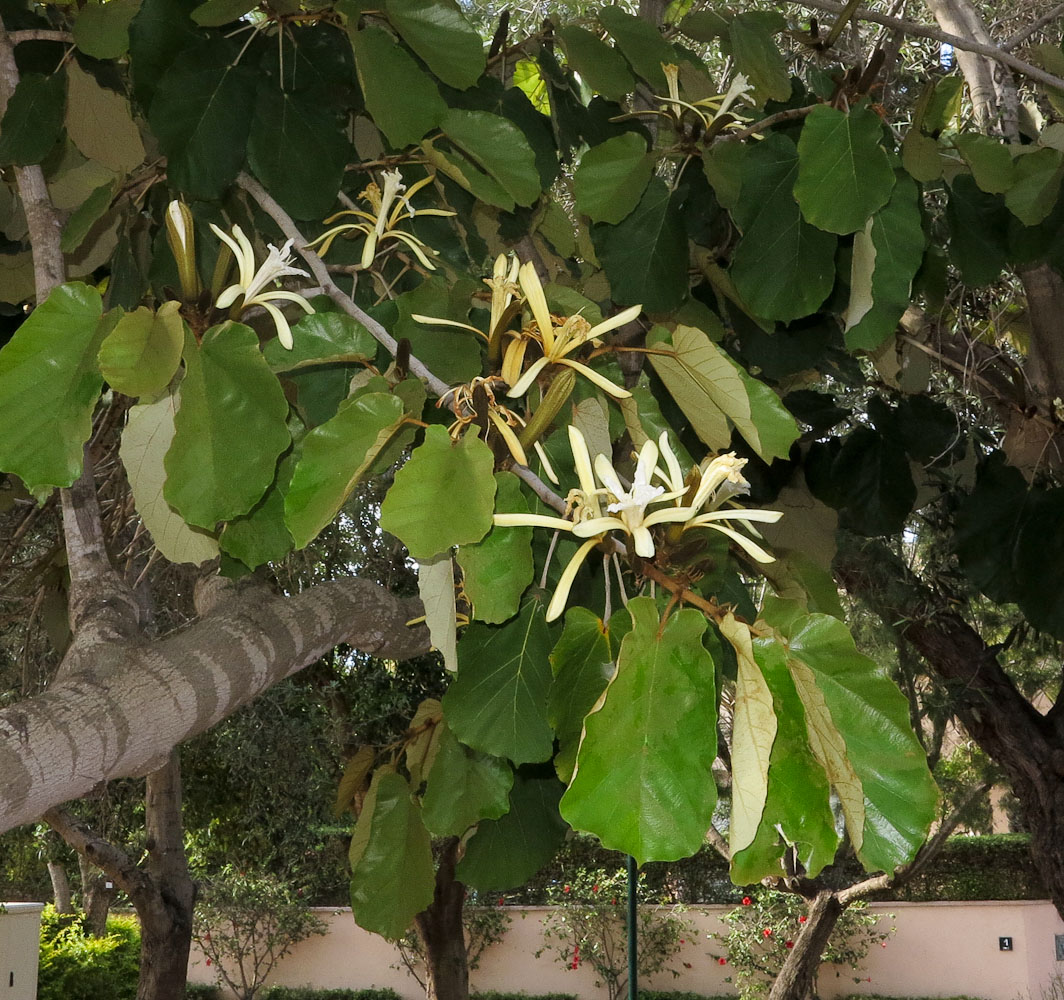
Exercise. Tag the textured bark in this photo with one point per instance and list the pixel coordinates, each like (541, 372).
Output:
(97, 893)
(1027, 745)
(142, 699)
(64, 900)
(797, 978)
(442, 934)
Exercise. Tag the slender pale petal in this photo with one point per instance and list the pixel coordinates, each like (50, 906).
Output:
(537, 302)
(675, 478)
(724, 468)
(565, 583)
(533, 521)
(529, 377)
(600, 380)
(751, 548)
(597, 525)
(739, 514)
(667, 514)
(512, 360)
(284, 331)
(509, 437)
(625, 316)
(548, 469)
(608, 476)
(644, 543)
(582, 460)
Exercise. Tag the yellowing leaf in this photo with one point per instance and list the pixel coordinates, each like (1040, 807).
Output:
(435, 587)
(753, 733)
(100, 124)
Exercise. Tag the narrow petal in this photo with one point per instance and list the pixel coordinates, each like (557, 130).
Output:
(644, 543)
(739, 514)
(667, 514)
(608, 476)
(593, 376)
(548, 469)
(246, 258)
(532, 521)
(369, 251)
(648, 459)
(565, 583)
(280, 293)
(439, 321)
(751, 548)
(676, 477)
(597, 525)
(513, 359)
(537, 301)
(415, 244)
(235, 247)
(228, 297)
(582, 460)
(625, 316)
(509, 437)
(528, 378)
(284, 331)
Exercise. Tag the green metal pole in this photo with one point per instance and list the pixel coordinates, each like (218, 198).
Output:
(633, 932)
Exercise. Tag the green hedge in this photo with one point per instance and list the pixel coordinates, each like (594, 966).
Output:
(202, 991)
(679, 995)
(76, 966)
(967, 868)
(495, 995)
(309, 993)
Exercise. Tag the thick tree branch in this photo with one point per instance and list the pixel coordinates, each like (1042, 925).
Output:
(143, 699)
(321, 273)
(916, 30)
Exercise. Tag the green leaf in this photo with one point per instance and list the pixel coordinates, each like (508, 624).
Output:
(797, 809)
(601, 66)
(201, 116)
(86, 216)
(140, 355)
(158, 32)
(612, 176)
(920, 156)
(645, 255)
(49, 384)
(261, 536)
(897, 245)
(498, 569)
(33, 120)
(641, 44)
(403, 112)
(499, 147)
(100, 123)
(443, 496)
(298, 149)
(844, 173)
(102, 29)
(978, 225)
(873, 473)
(508, 851)
(435, 587)
(392, 875)
(990, 161)
(464, 787)
(145, 441)
(498, 702)
(643, 783)
(229, 430)
(468, 175)
(944, 104)
(582, 662)
(852, 706)
(336, 457)
(711, 389)
(215, 13)
(782, 267)
(322, 338)
(442, 36)
(1036, 185)
(758, 57)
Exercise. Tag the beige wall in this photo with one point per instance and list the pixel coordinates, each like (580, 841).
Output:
(940, 949)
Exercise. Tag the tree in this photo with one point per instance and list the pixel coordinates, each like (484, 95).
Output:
(713, 305)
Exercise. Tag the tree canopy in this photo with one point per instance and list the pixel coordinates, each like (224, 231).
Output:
(655, 325)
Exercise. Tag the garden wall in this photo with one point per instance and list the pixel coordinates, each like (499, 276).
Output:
(940, 949)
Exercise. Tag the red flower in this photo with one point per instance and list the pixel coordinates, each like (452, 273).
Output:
(722, 961)
(682, 941)
(788, 944)
(688, 965)
(565, 888)
(747, 900)
(614, 901)
(208, 961)
(767, 932)
(594, 888)
(802, 919)
(869, 979)
(882, 944)
(502, 901)
(576, 957)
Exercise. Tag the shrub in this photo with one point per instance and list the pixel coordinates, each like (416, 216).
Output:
(678, 995)
(309, 993)
(483, 926)
(76, 966)
(495, 995)
(201, 991)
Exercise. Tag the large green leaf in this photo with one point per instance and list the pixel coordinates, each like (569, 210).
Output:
(102, 29)
(140, 355)
(872, 472)
(758, 57)
(990, 161)
(158, 32)
(782, 267)
(643, 782)
(392, 875)
(435, 587)
(145, 441)
(498, 569)
(601, 66)
(464, 787)
(403, 100)
(498, 702)
(711, 389)
(978, 225)
(645, 255)
(298, 149)
(797, 808)
(100, 123)
(440, 34)
(499, 147)
(1036, 185)
(201, 115)
(508, 851)
(322, 338)
(612, 176)
(229, 430)
(451, 354)
(443, 496)
(33, 120)
(261, 535)
(844, 173)
(853, 706)
(49, 384)
(214, 13)
(336, 456)
(641, 44)
(895, 241)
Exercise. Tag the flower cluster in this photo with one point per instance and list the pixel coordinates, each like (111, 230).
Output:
(597, 507)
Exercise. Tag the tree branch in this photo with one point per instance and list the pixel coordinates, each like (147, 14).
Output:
(40, 35)
(1014, 41)
(958, 42)
(143, 699)
(321, 273)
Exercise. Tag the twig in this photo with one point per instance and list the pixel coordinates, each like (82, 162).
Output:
(1014, 41)
(321, 273)
(964, 44)
(540, 488)
(40, 35)
(791, 114)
